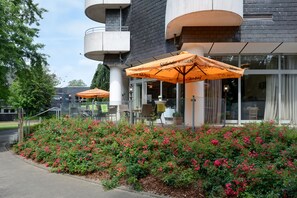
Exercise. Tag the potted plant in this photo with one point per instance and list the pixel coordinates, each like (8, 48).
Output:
(177, 118)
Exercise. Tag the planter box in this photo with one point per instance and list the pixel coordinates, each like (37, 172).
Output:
(177, 120)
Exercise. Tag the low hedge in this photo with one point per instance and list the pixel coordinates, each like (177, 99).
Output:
(256, 160)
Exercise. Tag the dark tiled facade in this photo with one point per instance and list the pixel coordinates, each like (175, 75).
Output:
(146, 22)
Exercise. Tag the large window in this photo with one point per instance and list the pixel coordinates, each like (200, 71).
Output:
(267, 91)
(259, 97)
(221, 105)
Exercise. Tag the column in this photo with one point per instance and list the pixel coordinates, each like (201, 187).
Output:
(115, 86)
(196, 89)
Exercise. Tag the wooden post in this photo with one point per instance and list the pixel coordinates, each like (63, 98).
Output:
(21, 124)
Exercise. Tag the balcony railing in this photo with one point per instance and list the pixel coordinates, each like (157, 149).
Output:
(99, 42)
(107, 28)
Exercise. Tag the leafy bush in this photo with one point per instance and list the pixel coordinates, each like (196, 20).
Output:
(257, 160)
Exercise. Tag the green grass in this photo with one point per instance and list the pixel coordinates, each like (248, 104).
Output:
(8, 125)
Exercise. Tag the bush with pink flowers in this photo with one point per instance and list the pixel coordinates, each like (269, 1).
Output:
(256, 160)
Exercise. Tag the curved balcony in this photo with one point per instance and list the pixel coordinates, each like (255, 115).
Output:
(99, 42)
(95, 9)
(184, 13)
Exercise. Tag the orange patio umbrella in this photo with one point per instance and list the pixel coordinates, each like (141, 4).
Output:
(184, 68)
(93, 93)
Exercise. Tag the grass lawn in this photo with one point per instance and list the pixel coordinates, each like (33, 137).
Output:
(8, 125)
(5, 125)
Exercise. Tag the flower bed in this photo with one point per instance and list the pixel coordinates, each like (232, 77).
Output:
(250, 161)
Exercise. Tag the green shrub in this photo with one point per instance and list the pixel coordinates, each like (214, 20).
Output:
(256, 160)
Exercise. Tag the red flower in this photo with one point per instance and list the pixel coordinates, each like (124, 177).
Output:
(217, 163)
(47, 149)
(259, 140)
(170, 165)
(173, 132)
(215, 142)
(208, 131)
(197, 168)
(166, 141)
(228, 135)
(253, 154)
(206, 163)
(229, 191)
(290, 164)
(194, 162)
(247, 140)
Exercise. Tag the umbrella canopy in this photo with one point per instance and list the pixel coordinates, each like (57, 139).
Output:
(184, 68)
(93, 93)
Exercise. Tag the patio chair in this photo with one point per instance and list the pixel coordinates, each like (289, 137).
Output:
(102, 111)
(147, 113)
(160, 111)
(253, 113)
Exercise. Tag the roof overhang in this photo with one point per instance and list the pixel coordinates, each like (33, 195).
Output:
(244, 47)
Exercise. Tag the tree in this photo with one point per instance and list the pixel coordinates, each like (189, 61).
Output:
(101, 78)
(77, 83)
(3, 83)
(33, 89)
(18, 28)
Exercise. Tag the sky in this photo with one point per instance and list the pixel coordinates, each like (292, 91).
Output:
(62, 31)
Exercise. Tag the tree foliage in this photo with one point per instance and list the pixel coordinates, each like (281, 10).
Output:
(101, 78)
(18, 28)
(33, 90)
(77, 83)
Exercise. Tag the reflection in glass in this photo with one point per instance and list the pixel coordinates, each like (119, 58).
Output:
(231, 99)
(259, 97)
(289, 62)
(259, 62)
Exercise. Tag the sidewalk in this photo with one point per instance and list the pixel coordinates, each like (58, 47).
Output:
(18, 178)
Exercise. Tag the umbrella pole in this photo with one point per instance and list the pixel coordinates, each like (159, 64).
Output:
(193, 113)
(184, 98)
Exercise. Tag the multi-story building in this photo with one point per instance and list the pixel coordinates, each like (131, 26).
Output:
(258, 35)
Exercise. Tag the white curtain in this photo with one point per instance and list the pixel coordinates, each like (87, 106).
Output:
(289, 92)
(213, 101)
(271, 107)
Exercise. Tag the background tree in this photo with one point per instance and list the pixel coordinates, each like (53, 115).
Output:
(77, 83)
(33, 89)
(101, 78)
(18, 28)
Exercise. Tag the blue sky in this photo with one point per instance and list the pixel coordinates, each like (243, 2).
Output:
(62, 31)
